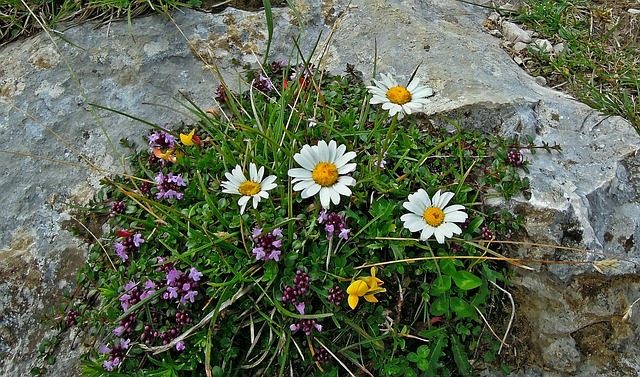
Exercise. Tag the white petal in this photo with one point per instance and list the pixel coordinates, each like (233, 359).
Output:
(413, 222)
(413, 85)
(304, 161)
(256, 200)
(341, 161)
(453, 208)
(331, 156)
(325, 197)
(322, 151)
(449, 229)
(335, 196)
(442, 199)
(269, 183)
(439, 235)
(423, 198)
(341, 189)
(302, 185)
(426, 233)
(299, 173)
(422, 92)
(414, 207)
(253, 173)
(456, 216)
(311, 191)
(346, 180)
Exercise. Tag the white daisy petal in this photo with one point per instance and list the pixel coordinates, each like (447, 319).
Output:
(256, 188)
(253, 173)
(342, 161)
(311, 191)
(457, 216)
(431, 216)
(342, 189)
(243, 200)
(346, 180)
(426, 233)
(335, 195)
(329, 181)
(325, 197)
(401, 100)
(302, 185)
(299, 173)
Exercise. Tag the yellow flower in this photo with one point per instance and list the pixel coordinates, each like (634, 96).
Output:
(365, 287)
(190, 139)
(166, 156)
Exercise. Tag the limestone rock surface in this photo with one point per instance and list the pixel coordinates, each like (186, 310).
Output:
(585, 197)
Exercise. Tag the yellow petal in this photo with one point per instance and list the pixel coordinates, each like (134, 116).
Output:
(353, 301)
(358, 288)
(187, 139)
(371, 298)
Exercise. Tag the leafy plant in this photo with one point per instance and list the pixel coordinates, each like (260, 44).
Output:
(191, 281)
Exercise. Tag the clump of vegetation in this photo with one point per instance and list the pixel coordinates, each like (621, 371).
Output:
(299, 227)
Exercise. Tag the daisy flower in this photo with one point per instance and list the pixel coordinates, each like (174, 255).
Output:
(432, 216)
(255, 187)
(323, 172)
(398, 99)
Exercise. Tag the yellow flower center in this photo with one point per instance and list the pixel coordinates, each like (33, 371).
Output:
(325, 174)
(433, 216)
(399, 95)
(249, 188)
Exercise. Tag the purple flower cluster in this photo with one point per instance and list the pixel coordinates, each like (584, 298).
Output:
(322, 355)
(336, 295)
(487, 234)
(162, 140)
(263, 84)
(118, 208)
(515, 157)
(116, 354)
(134, 294)
(293, 293)
(301, 73)
(221, 95)
(168, 186)
(334, 224)
(267, 246)
(72, 318)
(182, 286)
(306, 325)
(277, 67)
(128, 243)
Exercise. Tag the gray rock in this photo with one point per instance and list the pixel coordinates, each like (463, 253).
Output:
(585, 197)
(519, 46)
(514, 33)
(543, 45)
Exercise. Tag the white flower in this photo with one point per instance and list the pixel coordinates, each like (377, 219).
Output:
(255, 187)
(398, 99)
(433, 217)
(323, 171)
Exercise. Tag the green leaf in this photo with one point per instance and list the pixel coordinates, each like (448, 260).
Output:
(423, 364)
(423, 351)
(436, 353)
(460, 357)
(462, 308)
(466, 280)
(413, 357)
(440, 285)
(439, 307)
